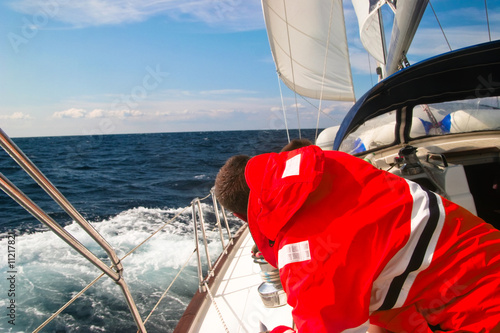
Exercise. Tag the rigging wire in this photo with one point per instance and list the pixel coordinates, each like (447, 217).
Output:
(298, 116)
(74, 298)
(489, 33)
(58, 312)
(435, 15)
(169, 286)
(159, 229)
(487, 19)
(324, 71)
(316, 107)
(283, 108)
(291, 65)
(370, 67)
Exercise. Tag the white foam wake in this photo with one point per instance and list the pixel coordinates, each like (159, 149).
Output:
(49, 272)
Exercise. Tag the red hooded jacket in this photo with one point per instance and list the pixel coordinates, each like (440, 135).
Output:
(356, 245)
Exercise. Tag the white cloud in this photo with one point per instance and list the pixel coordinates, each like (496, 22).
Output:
(197, 110)
(94, 116)
(16, 115)
(226, 92)
(124, 113)
(70, 113)
(170, 113)
(96, 113)
(429, 42)
(474, 14)
(297, 106)
(233, 14)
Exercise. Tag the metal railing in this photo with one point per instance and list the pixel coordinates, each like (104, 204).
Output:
(198, 220)
(115, 271)
(10, 189)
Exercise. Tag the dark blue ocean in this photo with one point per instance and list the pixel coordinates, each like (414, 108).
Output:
(127, 186)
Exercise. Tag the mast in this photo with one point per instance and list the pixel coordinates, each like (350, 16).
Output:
(406, 22)
(381, 65)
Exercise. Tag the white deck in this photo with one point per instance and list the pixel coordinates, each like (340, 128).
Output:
(238, 299)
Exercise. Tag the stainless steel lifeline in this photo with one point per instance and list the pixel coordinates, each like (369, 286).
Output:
(196, 203)
(216, 211)
(196, 207)
(203, 281)
(10, 147)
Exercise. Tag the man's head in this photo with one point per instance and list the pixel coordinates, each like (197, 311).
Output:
(231, 187)
(296, 144)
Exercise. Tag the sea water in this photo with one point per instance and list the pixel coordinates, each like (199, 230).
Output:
(127, 186)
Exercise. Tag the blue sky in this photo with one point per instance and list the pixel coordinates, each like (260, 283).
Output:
(110, 67)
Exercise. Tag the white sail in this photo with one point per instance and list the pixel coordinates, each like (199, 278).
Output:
(370, 30)
(309, 45)
(406, 21)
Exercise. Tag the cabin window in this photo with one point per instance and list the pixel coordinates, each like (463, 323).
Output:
(374, 133)
(481, 114)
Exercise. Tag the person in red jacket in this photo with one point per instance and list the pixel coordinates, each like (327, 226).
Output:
(358, 246)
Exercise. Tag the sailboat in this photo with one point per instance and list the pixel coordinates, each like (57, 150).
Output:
(436, 122)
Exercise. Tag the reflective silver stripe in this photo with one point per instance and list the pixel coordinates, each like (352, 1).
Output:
(295, 252)
(391, 288)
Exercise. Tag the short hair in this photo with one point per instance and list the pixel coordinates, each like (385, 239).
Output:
(231, 188)
(296, 144)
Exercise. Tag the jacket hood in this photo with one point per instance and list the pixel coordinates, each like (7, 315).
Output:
(279, 185)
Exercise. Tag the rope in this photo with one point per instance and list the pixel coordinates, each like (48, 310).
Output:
(216, 307)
